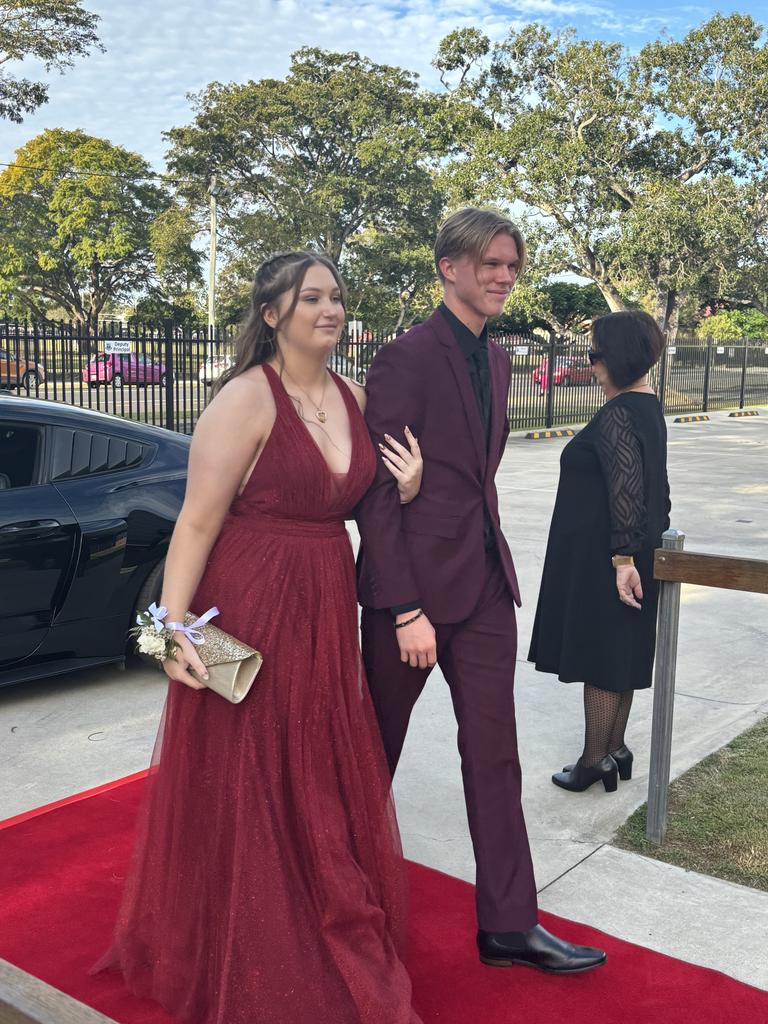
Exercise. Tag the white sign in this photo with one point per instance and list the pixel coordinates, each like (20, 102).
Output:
(731, 351)
(355, 328)
(720, 349)
(118, 346)
(521, 350)
(672, 349)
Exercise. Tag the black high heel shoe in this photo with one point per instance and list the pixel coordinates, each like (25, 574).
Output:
(580, 778)
(623, 758)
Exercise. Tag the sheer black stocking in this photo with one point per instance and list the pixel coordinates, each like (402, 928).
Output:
(620, 722)
(605, 720)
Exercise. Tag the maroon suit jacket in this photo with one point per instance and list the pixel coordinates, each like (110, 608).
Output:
(432, 550)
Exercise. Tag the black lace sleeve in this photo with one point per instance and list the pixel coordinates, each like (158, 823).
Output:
(621, 458)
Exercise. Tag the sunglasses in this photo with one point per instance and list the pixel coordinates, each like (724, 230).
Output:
(594, 356)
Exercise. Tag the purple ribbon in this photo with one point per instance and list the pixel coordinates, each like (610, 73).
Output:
(191, 631)
(156, 615)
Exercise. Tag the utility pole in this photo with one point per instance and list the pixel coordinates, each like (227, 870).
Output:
(213, 192)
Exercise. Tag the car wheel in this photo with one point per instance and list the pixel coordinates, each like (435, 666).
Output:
(564, 382)
(150, 591)
(117, 381)
(30, 379)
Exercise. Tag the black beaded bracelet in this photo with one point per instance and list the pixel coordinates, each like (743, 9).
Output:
(400, 625)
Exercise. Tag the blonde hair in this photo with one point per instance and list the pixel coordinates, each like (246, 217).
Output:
(470, 231)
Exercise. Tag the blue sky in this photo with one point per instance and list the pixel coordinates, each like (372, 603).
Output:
(157, 51)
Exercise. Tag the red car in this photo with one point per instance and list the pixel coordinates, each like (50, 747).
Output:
(568, 370)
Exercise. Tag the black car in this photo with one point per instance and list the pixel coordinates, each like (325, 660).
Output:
(88, 502)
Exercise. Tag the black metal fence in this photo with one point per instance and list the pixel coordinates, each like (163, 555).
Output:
(164, 375)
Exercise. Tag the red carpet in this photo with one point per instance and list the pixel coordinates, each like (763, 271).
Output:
(62, 870)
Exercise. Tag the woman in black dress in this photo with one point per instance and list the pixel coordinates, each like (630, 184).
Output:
(596, 617)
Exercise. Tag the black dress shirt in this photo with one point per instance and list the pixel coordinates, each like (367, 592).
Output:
(475, 351)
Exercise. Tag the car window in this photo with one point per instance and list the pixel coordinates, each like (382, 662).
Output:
(20, 449)
(78, 453)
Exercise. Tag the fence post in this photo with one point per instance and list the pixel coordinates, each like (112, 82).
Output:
(663, 699)
(707, 370)
(742, 390)
(549, 417)
(170, 415)
(663, 376)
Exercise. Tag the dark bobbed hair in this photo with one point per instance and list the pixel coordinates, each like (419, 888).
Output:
(282, 273)
(630, 343)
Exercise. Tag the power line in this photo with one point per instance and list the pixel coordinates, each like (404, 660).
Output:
(100, 174)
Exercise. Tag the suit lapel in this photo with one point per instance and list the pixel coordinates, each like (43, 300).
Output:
(458, 365)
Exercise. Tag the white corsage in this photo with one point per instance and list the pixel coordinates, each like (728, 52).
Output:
(152, 635)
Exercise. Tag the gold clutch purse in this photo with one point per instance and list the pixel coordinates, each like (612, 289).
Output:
(232, 665)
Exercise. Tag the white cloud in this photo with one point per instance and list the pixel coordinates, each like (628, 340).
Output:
(158, 51)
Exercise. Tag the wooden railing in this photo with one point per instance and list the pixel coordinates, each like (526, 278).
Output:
(25, 999)
(673, 567)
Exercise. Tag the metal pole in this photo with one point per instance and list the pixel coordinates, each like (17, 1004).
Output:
(707, 372)
(170, 412)
(663, 699)
(742, 389)
(549, 416)
(213, 192)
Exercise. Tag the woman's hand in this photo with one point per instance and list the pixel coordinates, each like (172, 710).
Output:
(187, 660)
(404, 465)
(628, 585)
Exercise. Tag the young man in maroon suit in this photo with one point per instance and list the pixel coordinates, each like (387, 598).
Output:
(436, 578)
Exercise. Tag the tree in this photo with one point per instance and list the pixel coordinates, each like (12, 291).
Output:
(734, 325)
(341, 145)
(77, 221)
(630, 158)
(54, 32)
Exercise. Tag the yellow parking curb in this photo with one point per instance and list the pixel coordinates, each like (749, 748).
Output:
(540, 435)
(691, 419)
(744, 412)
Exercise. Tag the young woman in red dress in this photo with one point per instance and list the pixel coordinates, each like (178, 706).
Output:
(267, 884)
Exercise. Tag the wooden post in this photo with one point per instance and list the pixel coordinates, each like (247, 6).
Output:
(25, 999)
(663, 698)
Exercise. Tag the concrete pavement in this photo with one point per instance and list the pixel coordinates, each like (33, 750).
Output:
(75, 732)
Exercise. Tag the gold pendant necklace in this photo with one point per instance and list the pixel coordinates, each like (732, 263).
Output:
(320, 413)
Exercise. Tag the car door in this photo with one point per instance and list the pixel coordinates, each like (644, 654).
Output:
(39, 537)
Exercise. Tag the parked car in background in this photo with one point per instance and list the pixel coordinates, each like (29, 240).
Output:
(15, 371)
(213, 367)
(88, 502)
(568, 370)
(114, 369)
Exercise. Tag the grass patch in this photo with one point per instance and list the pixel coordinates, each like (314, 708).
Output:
(718, 815)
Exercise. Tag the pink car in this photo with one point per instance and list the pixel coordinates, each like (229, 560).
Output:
(117, 370)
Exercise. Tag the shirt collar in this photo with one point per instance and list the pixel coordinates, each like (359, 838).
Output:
(468, 342)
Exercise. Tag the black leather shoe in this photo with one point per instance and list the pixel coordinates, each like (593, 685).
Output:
(580, 778)
(537, 948)
(623, 758)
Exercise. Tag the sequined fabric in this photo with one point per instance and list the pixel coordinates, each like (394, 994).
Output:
(267, 885)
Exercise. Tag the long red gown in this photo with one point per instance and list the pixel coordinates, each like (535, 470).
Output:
(267, 885)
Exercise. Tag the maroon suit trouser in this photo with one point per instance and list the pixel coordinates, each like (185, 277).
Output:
(477, 657)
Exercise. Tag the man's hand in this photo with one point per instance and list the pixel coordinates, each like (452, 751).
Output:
(418, 646)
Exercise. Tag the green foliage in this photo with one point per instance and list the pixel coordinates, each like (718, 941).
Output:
(734, 325)
(338, 146)
(77, 221)
(337, 158)
(650, 169)
(54, 32)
